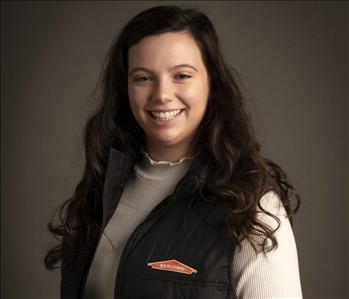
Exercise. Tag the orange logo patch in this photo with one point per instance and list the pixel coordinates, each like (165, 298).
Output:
(172, 265)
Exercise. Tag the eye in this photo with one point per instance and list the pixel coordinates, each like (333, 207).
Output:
(182, 76)
(142, 78)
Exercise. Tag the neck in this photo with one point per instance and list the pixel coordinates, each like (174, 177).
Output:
(170, 154)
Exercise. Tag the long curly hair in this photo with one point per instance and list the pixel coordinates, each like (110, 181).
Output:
(238, 173)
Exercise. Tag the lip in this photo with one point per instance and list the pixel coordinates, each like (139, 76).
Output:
(167, 110)
(167, 123)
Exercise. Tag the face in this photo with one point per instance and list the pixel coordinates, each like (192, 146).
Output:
(168, 89)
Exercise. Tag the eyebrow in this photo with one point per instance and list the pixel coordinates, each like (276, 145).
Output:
(141, 68)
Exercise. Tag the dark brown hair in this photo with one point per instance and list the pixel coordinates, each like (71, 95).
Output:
(238, 174)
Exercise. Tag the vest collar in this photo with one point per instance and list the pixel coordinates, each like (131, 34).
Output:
(120, 166)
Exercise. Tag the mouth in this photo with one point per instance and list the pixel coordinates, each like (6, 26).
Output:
(165, 116)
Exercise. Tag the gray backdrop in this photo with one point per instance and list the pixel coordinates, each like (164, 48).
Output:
(292, 57)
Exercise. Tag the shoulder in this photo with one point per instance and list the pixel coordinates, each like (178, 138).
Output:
(276, 273)
(271, 202)
(278, 220)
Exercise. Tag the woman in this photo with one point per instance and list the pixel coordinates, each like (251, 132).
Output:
(176, 200)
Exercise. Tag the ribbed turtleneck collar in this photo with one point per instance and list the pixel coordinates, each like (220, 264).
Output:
(161, 170)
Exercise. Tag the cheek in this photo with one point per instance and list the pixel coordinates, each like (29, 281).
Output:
(134, 104)
(136, 98)
(196, 96)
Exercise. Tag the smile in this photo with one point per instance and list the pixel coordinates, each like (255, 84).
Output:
(165, 116)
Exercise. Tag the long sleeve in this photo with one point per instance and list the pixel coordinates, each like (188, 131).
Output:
(275, 275)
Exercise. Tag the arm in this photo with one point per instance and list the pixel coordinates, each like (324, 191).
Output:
(275, 275)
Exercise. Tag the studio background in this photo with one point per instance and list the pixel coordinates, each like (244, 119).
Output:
(292, 57)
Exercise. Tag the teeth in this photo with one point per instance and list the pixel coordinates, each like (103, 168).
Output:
(166, 115)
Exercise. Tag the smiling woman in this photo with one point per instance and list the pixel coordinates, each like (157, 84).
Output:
(176, 200)
(168, 93)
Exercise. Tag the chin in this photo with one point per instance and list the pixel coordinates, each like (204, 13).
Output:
(167, 142)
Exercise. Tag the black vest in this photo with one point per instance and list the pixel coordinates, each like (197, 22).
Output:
(181, 250)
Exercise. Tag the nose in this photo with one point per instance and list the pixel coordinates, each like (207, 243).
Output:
(163, 91)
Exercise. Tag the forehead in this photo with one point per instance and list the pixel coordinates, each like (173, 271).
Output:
(164, 50)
